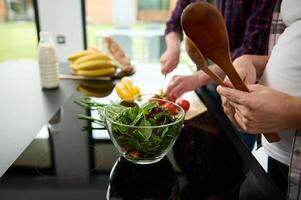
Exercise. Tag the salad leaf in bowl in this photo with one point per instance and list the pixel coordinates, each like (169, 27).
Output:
(143, 129)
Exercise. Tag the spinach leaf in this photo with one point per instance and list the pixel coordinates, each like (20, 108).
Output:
(164, 132)
(146, 132)
(151, 142)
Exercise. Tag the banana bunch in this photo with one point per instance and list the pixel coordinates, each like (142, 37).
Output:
(95, 88)
(92, 63)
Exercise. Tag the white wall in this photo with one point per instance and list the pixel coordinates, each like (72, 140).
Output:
(63, 17)
(124, 13)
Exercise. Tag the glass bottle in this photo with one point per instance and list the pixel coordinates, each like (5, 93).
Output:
(48, 63)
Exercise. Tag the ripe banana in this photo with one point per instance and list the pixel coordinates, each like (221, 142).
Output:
(94, 64)
(93, 56)
(97, 72)
(77, 55)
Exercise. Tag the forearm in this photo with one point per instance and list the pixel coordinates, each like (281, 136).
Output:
(259, 62)
(293, 111)
(173, 40)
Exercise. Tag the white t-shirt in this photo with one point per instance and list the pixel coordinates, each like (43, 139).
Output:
(283, 72)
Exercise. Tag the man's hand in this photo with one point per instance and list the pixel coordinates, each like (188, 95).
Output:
(245, 69)
(180, 84)
(247, 72)
(263, 109)
(169, 60)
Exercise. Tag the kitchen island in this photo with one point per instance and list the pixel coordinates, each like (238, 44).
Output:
(44, 152)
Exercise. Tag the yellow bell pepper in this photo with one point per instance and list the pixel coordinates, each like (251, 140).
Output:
(135, 90)
(126, 90)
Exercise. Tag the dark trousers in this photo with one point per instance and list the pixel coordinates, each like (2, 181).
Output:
(279, 173)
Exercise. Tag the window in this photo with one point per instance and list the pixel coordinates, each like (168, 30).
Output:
(18, 34)
(137, 25)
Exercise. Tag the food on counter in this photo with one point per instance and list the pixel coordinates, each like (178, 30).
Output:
(95, 88)
(75, 56)
(92, 63)
(143, 132)
(184, 104)
(95, 56)
(119, 55)
(96, 72)
(181, 102)
(171, 98)
(126, 90)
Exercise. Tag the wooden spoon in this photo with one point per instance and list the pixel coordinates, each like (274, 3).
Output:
(205, 26)
(198, 58)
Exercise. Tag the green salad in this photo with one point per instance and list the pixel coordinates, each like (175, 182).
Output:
(139, 131)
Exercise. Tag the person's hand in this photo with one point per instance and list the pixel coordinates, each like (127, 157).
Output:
(169, 60)
(261, 110)
(247, 72)
(180, 84)
(245, 69)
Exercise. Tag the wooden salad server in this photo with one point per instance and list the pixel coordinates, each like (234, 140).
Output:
(205, 26)
(198, 58)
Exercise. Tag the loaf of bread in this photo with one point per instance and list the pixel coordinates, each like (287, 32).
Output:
(119, 56)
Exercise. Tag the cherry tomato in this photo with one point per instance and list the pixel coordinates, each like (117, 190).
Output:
(134, 153)
(184, 104)
(171, 108)
(172, 98)
(157, 98)
(161, 102)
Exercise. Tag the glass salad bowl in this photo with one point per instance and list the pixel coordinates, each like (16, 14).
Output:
(145, 129)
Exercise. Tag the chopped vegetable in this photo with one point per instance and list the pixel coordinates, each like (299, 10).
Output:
(171, 108)
(135, 153)
(184, 104)
(140, 131)
(172, 98)
(126, 90)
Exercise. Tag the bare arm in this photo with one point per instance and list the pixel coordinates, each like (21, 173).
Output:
(180, 84)
(294, 111)
(263, 109)
(259, 63)
(173, 41)
(170, 58)
(245, 62)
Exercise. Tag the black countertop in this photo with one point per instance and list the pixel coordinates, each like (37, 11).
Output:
(25, 107)
(208, 161)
